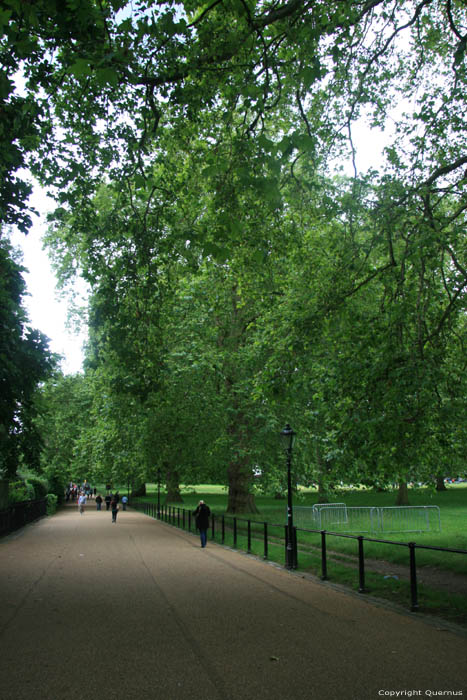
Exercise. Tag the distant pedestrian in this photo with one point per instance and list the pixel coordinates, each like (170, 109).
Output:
(202, 514)
(114, 507)
(108, 500)
(81, 503)
(99, 501)
(124, 502)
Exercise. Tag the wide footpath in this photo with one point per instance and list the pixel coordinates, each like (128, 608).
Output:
(137, 609)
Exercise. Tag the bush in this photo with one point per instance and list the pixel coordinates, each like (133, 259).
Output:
(27, 487)
(36, 485)
(18, 492)
(57, 481)
(39, 484)
(51, 503)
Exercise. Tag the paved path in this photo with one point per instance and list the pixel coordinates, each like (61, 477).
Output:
(137, 610)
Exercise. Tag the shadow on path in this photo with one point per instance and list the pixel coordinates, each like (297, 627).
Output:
(138, 610)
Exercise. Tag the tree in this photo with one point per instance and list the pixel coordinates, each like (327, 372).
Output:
(311, 70)
(203, 129)
(25, 362)
(63, 405)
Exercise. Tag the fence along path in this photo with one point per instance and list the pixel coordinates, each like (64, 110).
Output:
(138, 610)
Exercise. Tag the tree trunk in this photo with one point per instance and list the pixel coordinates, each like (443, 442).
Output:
(402, 498)
(241, 500)
(440, 485)
(323, 493)
(139, 491)
(173, 487)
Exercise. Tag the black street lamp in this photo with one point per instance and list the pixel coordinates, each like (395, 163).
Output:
(288, 436)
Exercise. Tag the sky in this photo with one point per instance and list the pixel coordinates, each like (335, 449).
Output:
(46, 310)
(49, 313)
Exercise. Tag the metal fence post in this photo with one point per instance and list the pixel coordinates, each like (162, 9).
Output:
(286, 542)
(235, 532)
(361, 566)
(295, 549)
(324, 566)
(413, 577)
(265, 540)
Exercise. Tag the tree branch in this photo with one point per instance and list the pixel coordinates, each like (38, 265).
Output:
(444, 170)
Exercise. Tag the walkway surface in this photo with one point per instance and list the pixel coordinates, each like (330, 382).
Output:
(137, 610)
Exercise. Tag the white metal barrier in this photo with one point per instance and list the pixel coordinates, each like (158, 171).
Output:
(338, 516)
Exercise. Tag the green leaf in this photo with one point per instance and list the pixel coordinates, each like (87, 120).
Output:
(107, 76)
(460, 51)
(81, 68)
(4, 18)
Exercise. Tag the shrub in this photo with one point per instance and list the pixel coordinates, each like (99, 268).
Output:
(28, 486)
(51, 503)
(39, 484)
(57, 483)
(18, 492)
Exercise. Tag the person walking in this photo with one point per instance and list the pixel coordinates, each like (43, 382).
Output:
(202, 514)
(124, 502)
(81, 503)
(98, 501)
(114, 507)
(108, 501)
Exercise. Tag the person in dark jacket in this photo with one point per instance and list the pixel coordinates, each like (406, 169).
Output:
(115, 509)
(202, 514)
(108, 500)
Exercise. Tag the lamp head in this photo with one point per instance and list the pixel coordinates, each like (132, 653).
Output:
(287, 436)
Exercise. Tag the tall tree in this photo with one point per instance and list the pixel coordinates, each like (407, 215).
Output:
(25, 362)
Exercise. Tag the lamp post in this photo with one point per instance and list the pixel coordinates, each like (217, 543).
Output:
(158, 494)
(288, 436)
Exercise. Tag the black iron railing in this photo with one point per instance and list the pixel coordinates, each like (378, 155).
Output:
(21, 514)
(243, 531)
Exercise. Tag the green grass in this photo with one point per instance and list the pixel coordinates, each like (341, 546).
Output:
(452, 504)
(453, 507)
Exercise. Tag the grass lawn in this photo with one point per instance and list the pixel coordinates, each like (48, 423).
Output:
(453, 535)
(452, 504)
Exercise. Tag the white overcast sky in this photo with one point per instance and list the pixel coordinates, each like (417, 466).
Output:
(47, 311)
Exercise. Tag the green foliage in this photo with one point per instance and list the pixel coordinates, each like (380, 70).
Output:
(51, 503)
(28, 487)
(20, 491)
(39, 484)
(62, 405)
(236, 284)
(25, 360)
